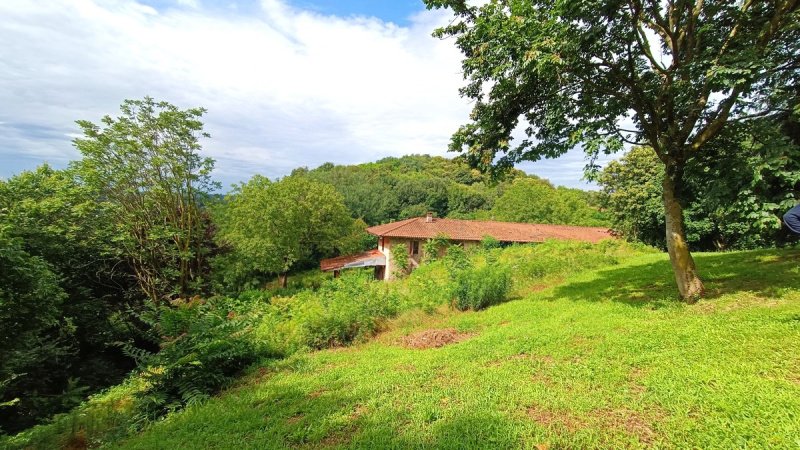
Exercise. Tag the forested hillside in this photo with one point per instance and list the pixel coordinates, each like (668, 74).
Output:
(410, 186)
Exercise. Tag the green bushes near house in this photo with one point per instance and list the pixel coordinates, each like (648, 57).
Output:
(480, 287)
(342, 311)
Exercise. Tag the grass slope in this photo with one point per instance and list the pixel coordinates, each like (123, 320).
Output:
(606, 359)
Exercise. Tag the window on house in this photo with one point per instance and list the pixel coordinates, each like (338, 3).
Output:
(415, 247)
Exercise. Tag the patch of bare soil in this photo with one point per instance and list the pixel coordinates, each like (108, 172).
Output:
(434, 338)
(77, 441)
(317, 393)
(629, 421)
(546, 417)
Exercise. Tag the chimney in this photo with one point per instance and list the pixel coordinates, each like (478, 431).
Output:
(429, 217)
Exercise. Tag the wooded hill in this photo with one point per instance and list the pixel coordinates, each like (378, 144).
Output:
(410, 186)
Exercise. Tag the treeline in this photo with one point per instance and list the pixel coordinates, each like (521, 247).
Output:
(109, 262)
(398, 188)
(736, 192)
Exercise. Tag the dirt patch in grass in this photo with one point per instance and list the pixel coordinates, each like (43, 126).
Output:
(548, 418)
(631, 422)
(628, 421)
(317, 393)
(434, 338)
(358, 411)
(294, 419)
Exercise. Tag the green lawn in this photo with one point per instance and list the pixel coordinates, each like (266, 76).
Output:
(605, 359)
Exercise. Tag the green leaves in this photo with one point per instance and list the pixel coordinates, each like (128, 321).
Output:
(534, 200)
(146, 166)
(274, 225)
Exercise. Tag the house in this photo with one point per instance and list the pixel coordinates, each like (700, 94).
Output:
(412, 233)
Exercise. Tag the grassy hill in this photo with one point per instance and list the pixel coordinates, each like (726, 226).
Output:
(604, 358)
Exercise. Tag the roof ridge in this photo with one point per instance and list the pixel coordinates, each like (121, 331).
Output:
(402, 223)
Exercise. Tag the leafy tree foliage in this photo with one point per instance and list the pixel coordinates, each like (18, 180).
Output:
(756, 174)
(534, 200)
(58, 229)
(32, 334)
(274, 225)
(600, 73)
(147, 167)
(399, 188)
(632, 195)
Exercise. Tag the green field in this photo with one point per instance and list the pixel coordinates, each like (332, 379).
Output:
(605, 359)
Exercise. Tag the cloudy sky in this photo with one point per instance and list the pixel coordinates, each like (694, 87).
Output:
(287, 83)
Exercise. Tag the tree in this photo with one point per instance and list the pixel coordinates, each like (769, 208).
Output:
(755, 174)
(32, 335)
(534, 200)
(147, 167)
(602, 73)
(632, 195)
(56, 231)
(274, 225)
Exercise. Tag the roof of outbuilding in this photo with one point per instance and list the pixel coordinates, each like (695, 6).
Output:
(476, 230)
(371, 258)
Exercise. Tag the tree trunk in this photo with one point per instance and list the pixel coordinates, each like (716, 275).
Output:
(283, 279)
(689, 284)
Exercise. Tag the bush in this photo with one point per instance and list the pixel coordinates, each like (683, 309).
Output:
(478, 288)
(343, 310)
(488, 243)
(400, 260)
(204, 345)
(432, 249)
(428, 287)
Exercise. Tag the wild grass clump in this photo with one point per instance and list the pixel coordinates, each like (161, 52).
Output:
(477, 288)
(552, 259)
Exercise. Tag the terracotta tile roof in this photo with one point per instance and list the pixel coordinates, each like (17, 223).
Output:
(371, 258)
(475, 230)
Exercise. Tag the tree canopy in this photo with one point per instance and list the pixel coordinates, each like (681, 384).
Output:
(274, 225)
(147, 167)
(599, 74)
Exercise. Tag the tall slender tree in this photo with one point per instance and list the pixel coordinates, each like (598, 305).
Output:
(146, 165)
(598, 74)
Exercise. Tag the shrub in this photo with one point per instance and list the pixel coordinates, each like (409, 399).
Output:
(428, 287)
(433, 248)
(342, 311)
(204, 345)
(478, 288)
(400, 260)
(488, 243)
(456, 259)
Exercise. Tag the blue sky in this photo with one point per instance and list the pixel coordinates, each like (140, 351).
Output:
(286, 83)
(397, 11)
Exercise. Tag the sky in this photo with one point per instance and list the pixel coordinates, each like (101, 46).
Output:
(287, 83)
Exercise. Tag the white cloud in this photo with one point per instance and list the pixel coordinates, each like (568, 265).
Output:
(284, 87)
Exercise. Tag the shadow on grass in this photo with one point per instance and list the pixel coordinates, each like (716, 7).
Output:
(766, 273)
(466, 430)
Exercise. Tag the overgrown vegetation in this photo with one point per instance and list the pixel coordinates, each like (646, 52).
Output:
(205, 344)
(604, 358)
